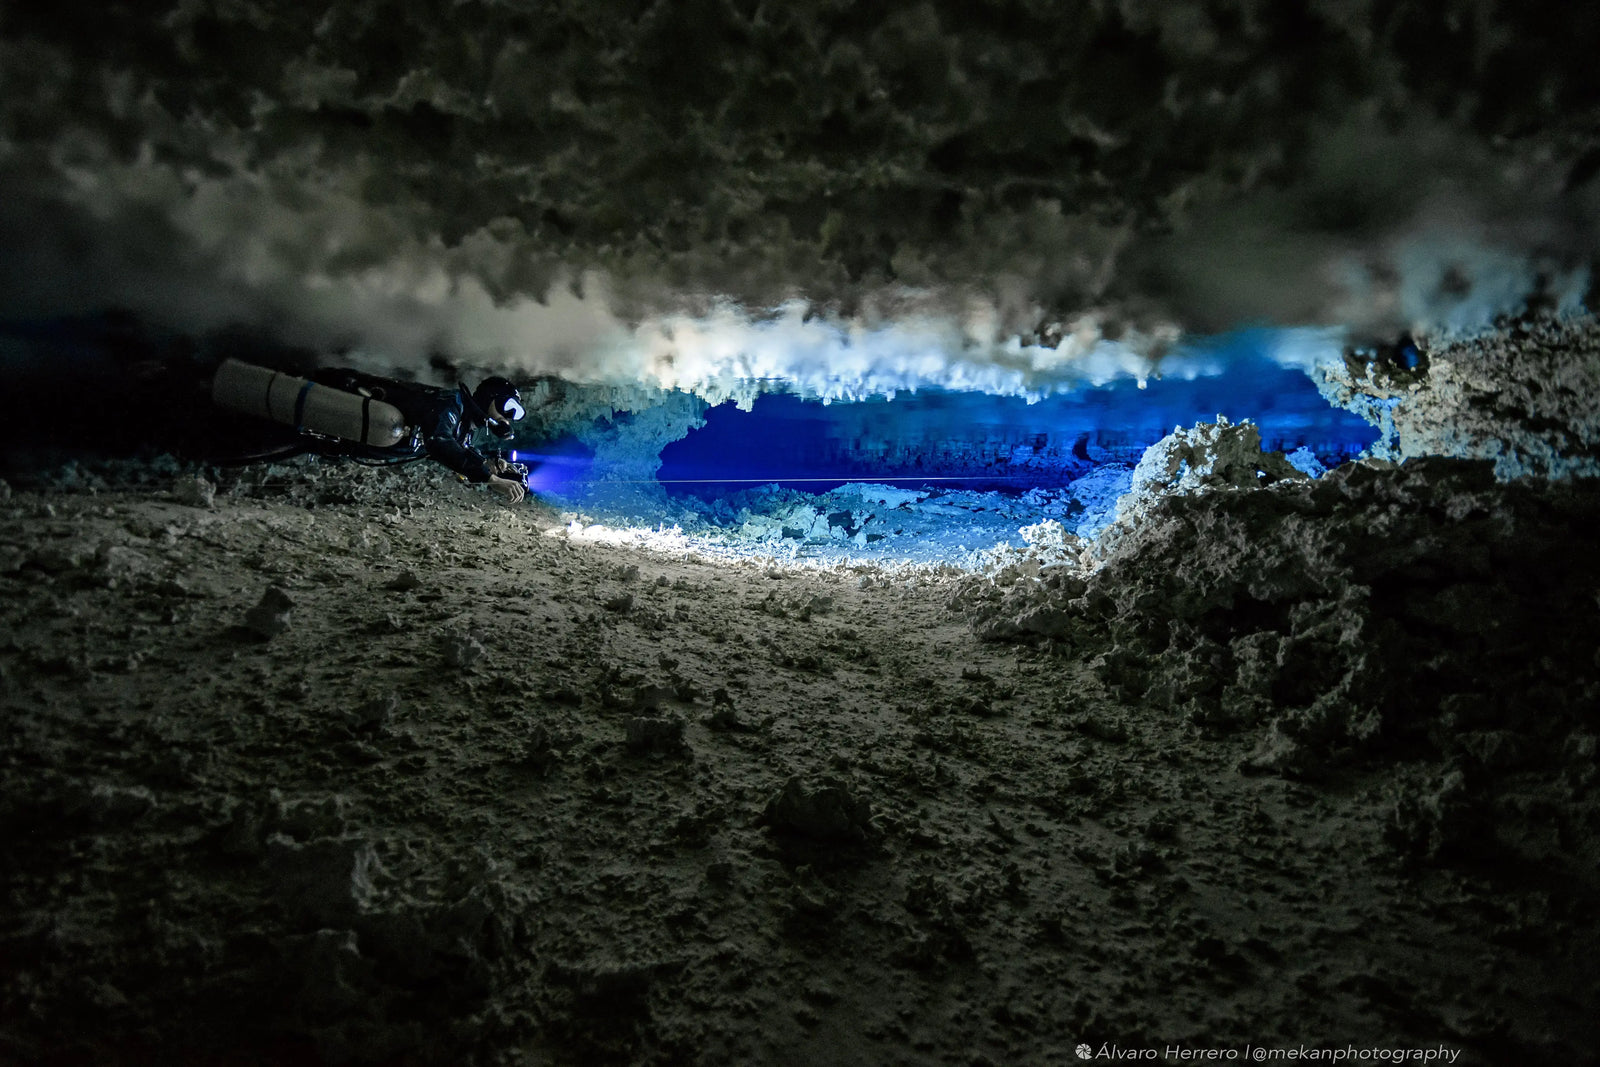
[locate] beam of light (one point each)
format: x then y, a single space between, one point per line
543 458
555 470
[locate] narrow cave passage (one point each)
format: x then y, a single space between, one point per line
1001 443
937 474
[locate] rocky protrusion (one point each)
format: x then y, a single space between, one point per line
195 492
1208 455
649 733
460 648
822 810
374 714
403 582
270 617
1521 397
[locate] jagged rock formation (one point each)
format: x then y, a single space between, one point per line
1393 606
627 442
1420 617
1521 396
1206 456
397 178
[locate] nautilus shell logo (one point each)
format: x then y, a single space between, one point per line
1085 1052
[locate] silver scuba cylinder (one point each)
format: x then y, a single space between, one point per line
306 405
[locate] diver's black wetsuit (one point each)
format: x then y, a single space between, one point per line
442 420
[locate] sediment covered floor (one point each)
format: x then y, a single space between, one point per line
467 789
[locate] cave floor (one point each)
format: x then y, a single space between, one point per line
497 794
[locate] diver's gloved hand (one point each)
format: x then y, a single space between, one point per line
512 490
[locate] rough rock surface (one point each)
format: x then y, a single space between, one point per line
1206 456
1374 608
1421 625
1521 396
1086 167
773 813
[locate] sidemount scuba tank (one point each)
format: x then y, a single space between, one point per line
309 407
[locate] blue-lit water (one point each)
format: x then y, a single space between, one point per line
987 442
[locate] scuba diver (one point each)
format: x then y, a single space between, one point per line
443 422
376 420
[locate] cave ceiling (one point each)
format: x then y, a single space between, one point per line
357 172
